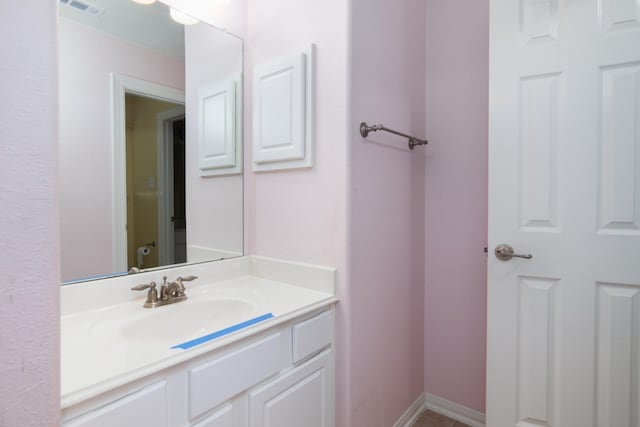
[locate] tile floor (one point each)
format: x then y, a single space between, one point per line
433 419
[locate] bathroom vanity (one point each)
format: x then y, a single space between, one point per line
251 346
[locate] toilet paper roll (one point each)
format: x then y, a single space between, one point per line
142 252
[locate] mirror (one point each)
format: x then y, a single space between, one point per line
150 139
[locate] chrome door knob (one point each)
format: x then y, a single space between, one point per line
505 252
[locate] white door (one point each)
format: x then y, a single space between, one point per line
563 340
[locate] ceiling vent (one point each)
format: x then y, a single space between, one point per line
84 7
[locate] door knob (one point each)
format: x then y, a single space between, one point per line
504 252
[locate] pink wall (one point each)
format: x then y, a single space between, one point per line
29 240
387 210
85 138
301 214
456 199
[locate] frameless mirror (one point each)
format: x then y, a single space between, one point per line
150 139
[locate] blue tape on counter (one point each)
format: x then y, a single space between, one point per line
223 332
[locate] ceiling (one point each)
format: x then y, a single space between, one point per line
146 25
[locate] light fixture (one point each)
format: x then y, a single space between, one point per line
144 1
182 17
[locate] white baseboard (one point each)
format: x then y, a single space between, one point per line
453 410
411 415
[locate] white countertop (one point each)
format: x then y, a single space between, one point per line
97 355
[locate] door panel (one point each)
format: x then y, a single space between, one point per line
618 355
619 173
538 152
537 347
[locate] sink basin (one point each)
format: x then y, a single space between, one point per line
194 320
175 323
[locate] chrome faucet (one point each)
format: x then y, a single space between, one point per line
169 292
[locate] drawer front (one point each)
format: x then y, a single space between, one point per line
214 382
312 335
144 408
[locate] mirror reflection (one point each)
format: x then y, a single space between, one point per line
150 139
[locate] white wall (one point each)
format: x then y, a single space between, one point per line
29 240
87 59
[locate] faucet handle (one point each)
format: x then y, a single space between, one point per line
152 295
144 286
181 279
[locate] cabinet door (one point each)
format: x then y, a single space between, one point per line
222 418
301 397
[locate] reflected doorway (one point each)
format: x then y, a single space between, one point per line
155 181
179 218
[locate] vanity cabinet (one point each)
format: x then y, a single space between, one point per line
279 377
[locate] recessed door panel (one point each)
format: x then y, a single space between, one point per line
619 173
538 143
539 21
619 14
537 319
618 357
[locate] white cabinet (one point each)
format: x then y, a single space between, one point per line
301 397
222 378
283 112
311 336
221 418
143 408
280 377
